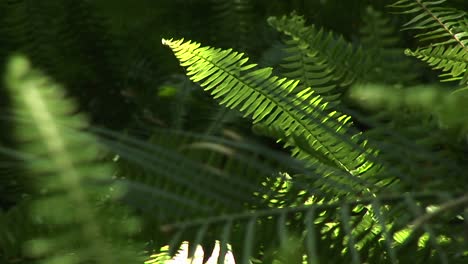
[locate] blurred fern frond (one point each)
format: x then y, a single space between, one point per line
235 17
70 187
319 58
381 44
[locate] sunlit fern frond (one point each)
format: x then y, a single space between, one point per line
72 190
270 101
319 58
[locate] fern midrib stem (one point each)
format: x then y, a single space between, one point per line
441 24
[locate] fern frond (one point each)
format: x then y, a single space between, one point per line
203 168
446 31
233 20
342 232
336 183
452 60
70 193
269 100
318 58
379 40
84 57
400 131
180 176
438 23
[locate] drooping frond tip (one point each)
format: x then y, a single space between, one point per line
18 66
171 41
165 41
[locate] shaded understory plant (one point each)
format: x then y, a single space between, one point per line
373 168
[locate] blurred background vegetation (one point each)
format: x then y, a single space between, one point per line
108 55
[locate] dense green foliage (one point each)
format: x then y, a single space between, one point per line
345 142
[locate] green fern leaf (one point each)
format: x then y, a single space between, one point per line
269 100
446 31
70 193
319 58
233 22
453 60
436 22
380 41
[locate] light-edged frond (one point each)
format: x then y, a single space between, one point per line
270 101
70 186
